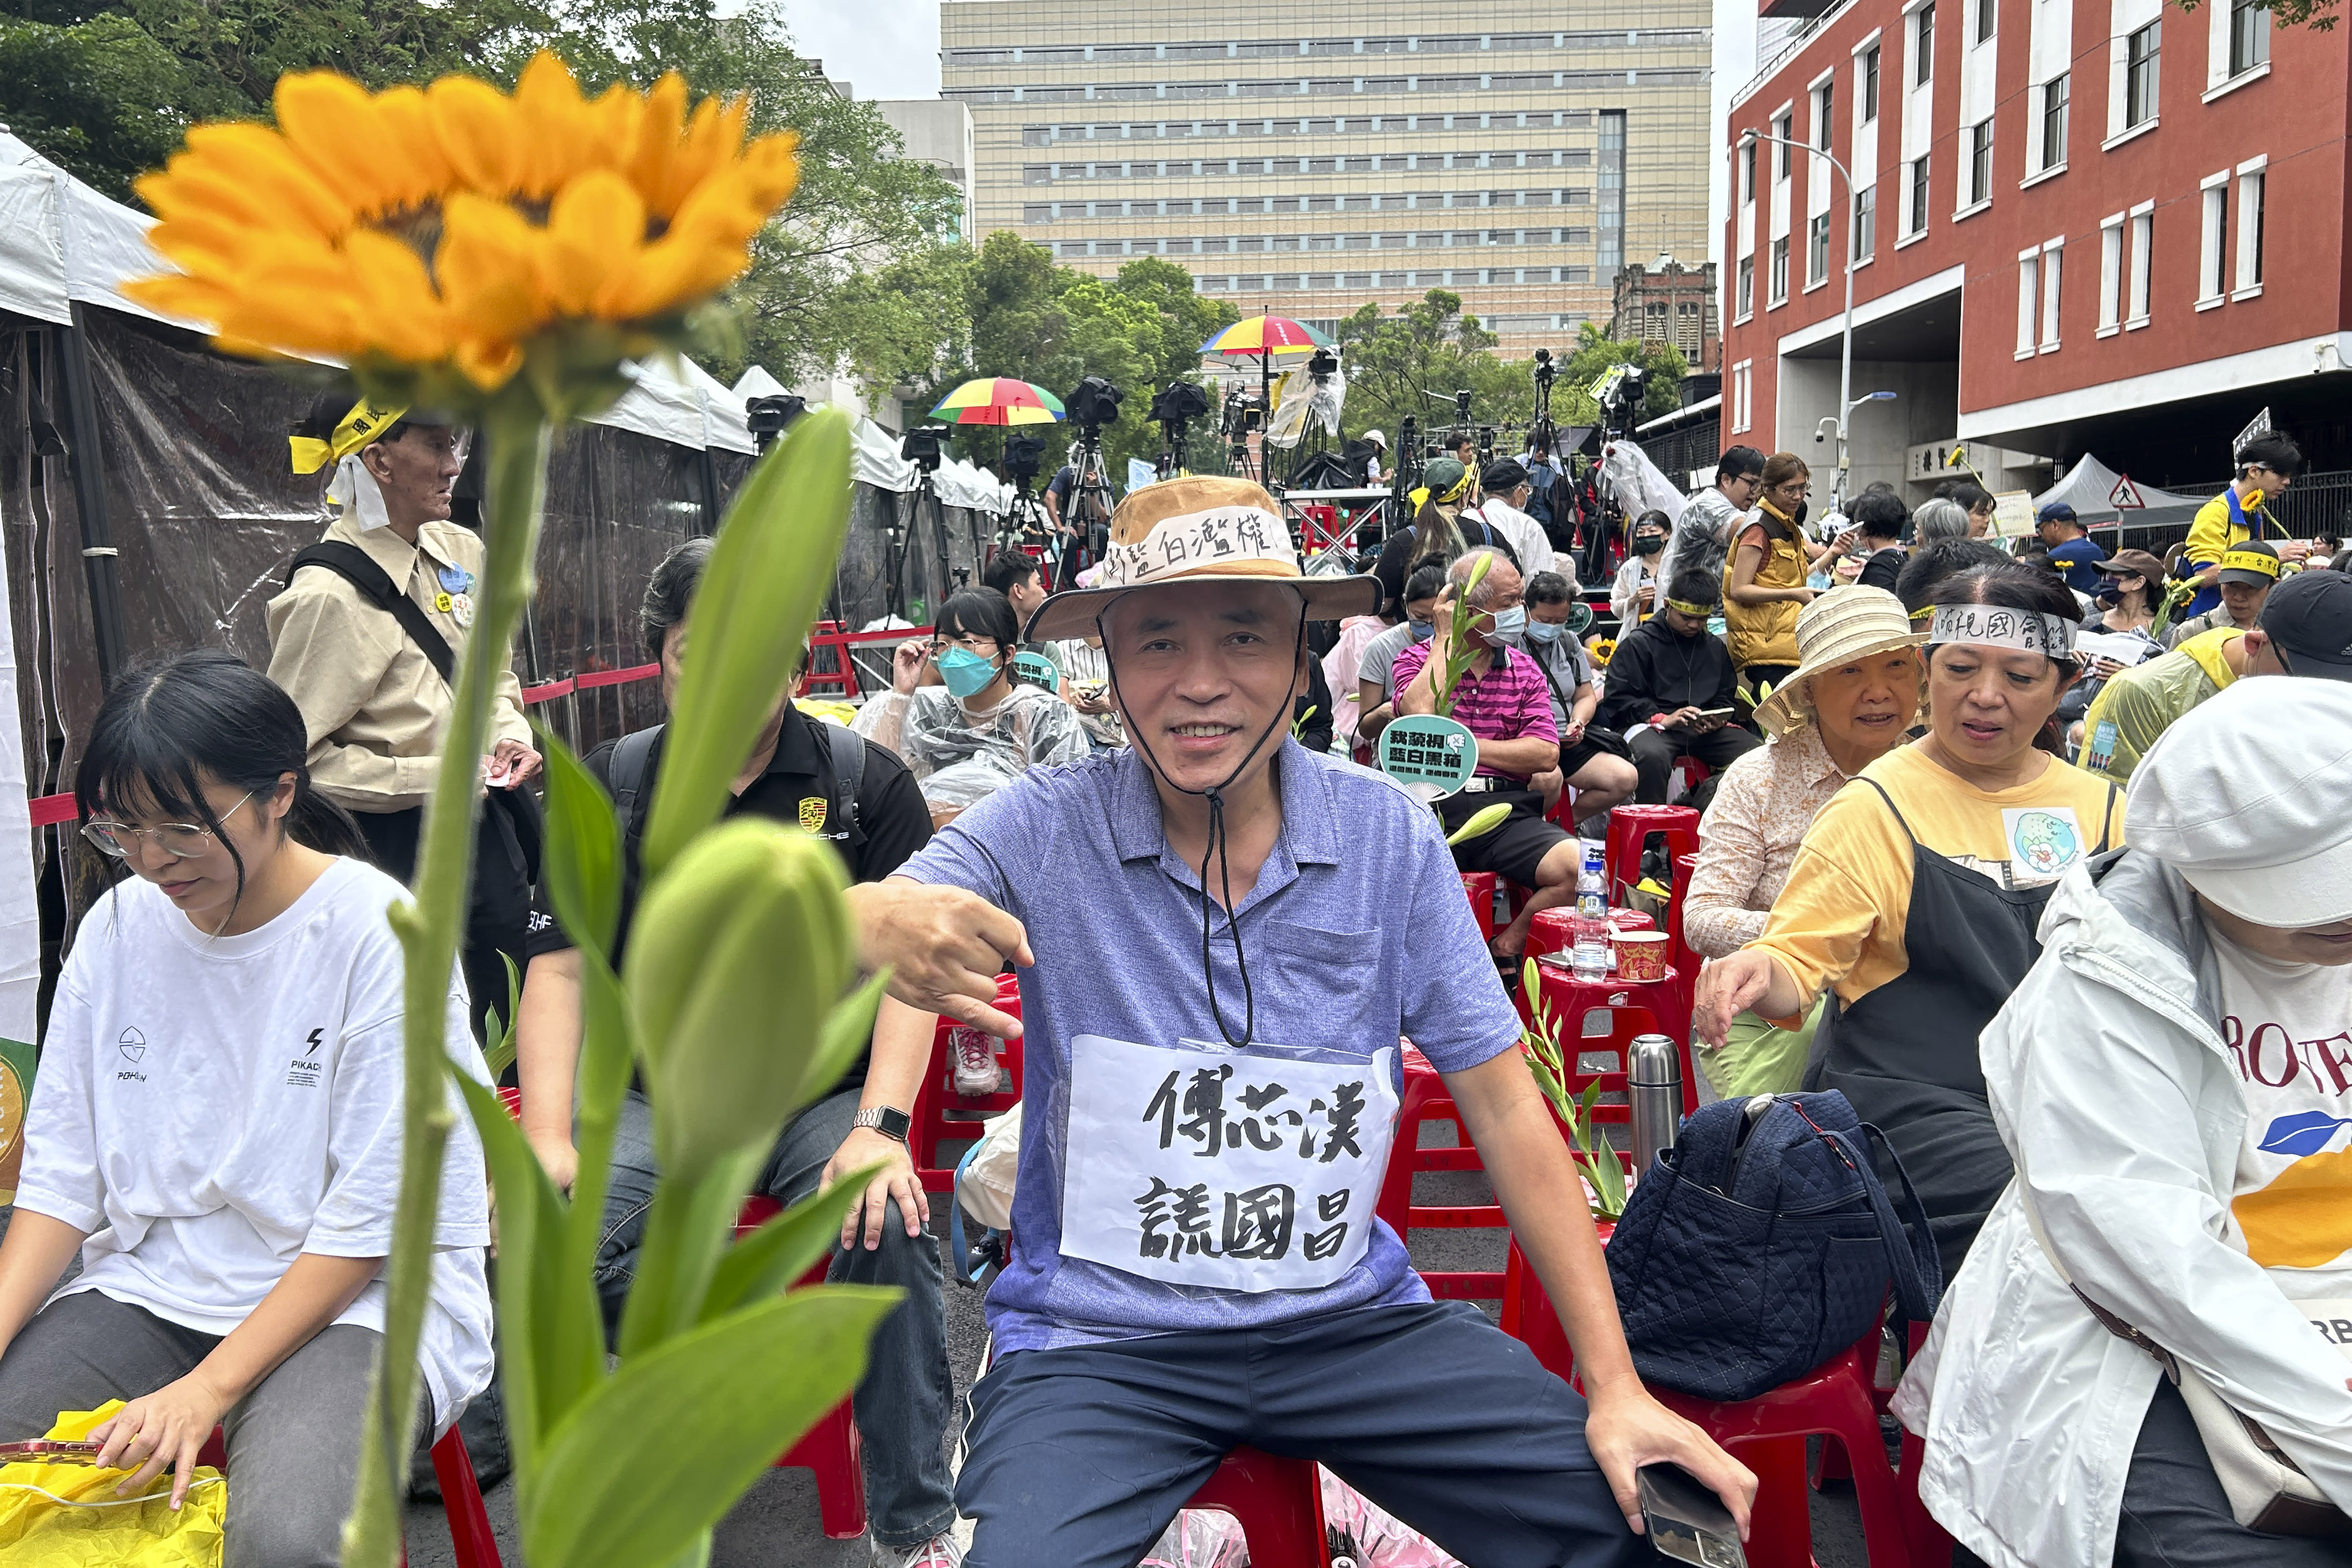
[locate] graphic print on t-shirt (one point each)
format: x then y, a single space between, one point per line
303 1072
2288 1031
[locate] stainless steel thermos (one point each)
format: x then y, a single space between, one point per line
1653 1083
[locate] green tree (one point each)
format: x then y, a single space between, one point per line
1395 362
1595 355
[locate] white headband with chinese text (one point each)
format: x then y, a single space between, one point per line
1222 539
1991 626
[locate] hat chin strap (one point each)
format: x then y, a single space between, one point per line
1218 842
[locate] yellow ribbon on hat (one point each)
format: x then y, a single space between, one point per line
364 425
2240 560
1460 489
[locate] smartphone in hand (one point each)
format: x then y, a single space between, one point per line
1687 1522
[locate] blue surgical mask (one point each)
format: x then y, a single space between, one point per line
1509 624
1544 631
964 671
1423 630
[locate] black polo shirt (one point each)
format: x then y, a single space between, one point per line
797 788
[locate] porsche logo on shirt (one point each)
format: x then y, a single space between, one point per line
811 814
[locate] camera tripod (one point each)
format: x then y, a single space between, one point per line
1085 515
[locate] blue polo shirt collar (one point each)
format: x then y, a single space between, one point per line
1309 832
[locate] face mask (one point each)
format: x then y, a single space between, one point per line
1509 624
1717 625
964 671
1422 630
1648 543
1544 631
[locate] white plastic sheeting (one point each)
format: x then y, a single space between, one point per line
1637 484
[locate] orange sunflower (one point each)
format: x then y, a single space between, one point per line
446 235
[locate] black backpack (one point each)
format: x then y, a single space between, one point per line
632 771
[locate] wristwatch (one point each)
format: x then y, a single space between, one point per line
891 1124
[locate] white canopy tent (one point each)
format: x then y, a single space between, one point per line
2104 499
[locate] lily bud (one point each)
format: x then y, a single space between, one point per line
1480 825
738 954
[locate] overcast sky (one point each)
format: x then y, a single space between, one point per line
884 49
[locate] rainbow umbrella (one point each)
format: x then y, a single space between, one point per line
1267 335
999 400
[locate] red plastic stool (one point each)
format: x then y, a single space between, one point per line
1279 1504
1630 825
830 1450
471 1541
932 1126
1479 886
1424 1100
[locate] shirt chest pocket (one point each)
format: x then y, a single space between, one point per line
1331 978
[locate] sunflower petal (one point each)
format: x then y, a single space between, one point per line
474 123
333 123
263 162
595 228
408 128
554 128
488 272
396 292
489 366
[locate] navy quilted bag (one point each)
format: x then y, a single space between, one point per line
1762 1244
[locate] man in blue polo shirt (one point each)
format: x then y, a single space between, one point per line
2072 554
1230 932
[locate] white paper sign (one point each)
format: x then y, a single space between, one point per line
2115 646
1209 1168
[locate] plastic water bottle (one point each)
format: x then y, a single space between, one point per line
1593 885
1589 954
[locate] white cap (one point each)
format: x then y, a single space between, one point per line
1377 439
2243 796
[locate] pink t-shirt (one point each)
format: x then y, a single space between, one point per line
1509 702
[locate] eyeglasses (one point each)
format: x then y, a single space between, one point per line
181 840
984 646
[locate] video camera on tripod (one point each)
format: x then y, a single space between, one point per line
1093 404
1174 406
1621 394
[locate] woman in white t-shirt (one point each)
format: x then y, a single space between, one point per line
214 1127
2174 1081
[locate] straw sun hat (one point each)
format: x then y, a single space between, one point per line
1838 628
1206 528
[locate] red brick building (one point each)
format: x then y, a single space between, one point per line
2080 226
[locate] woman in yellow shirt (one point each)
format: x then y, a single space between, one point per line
1917 892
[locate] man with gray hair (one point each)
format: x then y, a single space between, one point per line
1937 520
1503 699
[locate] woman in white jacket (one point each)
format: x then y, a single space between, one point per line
2174 1081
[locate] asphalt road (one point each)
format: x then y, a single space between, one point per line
775 1525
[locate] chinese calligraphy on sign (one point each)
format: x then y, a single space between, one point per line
1247 1173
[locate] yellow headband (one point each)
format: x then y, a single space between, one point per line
2250 560
363 425
1702 611
1460 489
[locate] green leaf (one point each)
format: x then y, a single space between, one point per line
1481 824
604 1079
554 1333
849 1029
769 573
663 1447
770 1260
583 862
687 1230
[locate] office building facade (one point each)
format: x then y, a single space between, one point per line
2110 227
1308 159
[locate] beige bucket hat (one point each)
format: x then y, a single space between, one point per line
1205 527
1838 628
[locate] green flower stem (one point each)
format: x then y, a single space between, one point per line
430 928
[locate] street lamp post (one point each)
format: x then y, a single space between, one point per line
1845 347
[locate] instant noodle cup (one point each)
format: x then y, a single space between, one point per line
1640 955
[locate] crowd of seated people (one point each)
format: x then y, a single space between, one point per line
2098 1011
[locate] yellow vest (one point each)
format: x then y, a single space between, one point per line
1766 634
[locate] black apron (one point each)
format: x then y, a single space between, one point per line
1906 1055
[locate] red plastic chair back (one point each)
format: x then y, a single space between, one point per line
932 1123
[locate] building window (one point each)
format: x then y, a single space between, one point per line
1748 172
1866 223
1923 45
2053 120
1817 249
2249 231
1919 195
1743 387
2028 299
1781 271
2111 274
2213 254
2141 53
1780 148
2052 254
1870 84
1981 162
2136 298
2250 34
1825 104
1988 13
1747 304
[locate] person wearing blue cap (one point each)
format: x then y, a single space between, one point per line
2072 554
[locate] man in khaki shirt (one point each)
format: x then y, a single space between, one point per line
376 705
